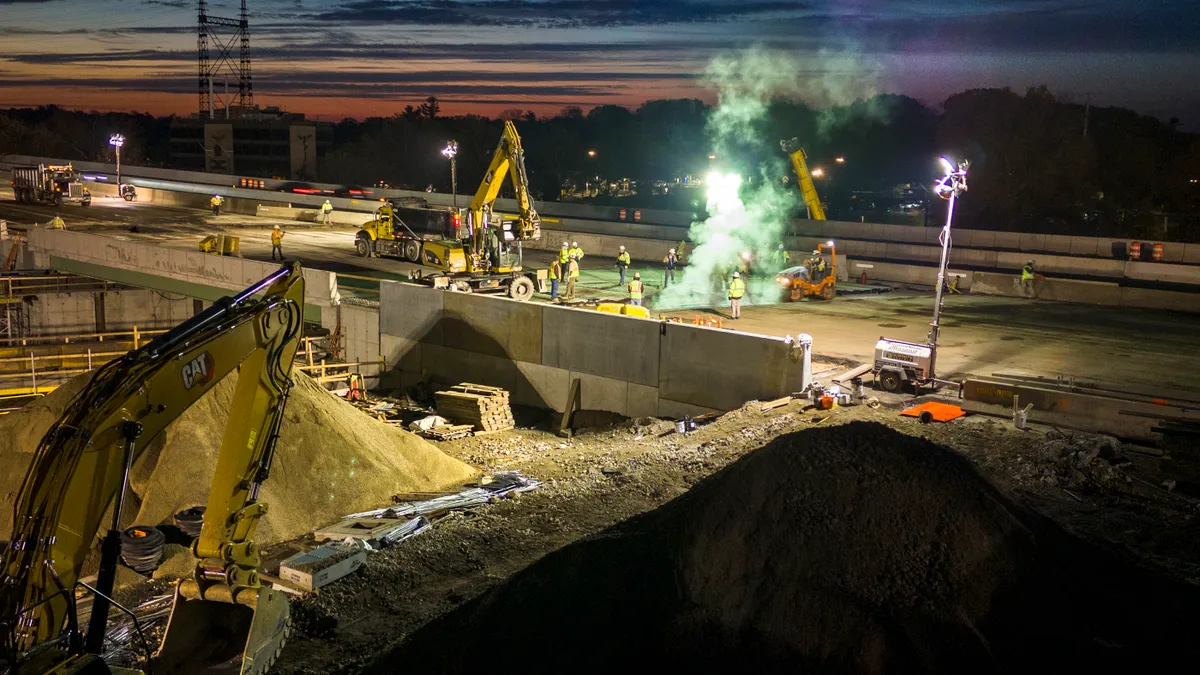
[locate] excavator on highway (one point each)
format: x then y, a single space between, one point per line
807 188
475 249
224 618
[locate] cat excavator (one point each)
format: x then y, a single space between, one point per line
808 190
224 618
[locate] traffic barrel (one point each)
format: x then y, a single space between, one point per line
1156 252
1135 250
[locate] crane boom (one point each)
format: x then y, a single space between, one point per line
82 466
808 189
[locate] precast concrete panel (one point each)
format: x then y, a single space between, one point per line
721 369
411 312
494 326
597 343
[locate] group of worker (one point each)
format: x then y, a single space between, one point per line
566 266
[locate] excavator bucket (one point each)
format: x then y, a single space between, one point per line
212 636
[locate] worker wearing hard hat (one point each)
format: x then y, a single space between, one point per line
276 242
623 261
564 254
780 257
1028 275
57 223
215 203
671 261
576 251
556 272
737 289
326 212
572 275
636 288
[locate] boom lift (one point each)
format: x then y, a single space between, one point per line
480 252
223 613
807 188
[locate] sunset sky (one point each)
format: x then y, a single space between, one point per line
332 59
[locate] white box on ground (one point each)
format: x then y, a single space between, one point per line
321 566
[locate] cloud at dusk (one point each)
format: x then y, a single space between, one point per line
358 58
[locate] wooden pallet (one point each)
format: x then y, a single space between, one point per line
448 432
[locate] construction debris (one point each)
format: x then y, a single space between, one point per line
501 485
485 408
934 411
323 565
448 432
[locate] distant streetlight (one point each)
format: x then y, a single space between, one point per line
818 172
840 160
449 152
117 140
591 153
712 156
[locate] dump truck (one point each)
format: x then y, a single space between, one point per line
50 184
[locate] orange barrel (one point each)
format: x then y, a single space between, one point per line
1157 252
637 214
621 214
1135 250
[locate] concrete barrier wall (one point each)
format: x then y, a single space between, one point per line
196 270
1060 290
627 365
76 313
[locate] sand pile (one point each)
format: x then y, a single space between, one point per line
331 460
847 549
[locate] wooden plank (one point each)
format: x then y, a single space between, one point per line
777 403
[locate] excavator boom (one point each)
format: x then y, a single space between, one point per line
508 160
82 466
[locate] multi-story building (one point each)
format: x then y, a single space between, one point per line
262 142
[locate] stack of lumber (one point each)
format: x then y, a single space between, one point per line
448 432
485 408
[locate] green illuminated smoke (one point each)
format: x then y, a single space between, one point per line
751 215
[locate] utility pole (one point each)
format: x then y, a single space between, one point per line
1087 111
450 152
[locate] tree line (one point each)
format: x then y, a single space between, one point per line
1038 162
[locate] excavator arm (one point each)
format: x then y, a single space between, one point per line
81 469
509 159
808 190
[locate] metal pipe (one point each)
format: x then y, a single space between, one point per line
937 303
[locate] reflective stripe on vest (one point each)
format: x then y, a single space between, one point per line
1026 273
635 290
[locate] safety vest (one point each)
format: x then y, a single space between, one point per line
215 201
555 269
327 207
58 223
276 237
1026 273
573 270
563 256
635 290
577 251
623 259
780 256
737 288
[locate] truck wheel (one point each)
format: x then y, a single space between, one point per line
520 289
363 246
128 197
828 292
890 381
86 204
412 250
56 200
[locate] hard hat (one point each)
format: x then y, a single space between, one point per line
637 275
781 246
565 244
816 252
622 248
736 275
574 243
277 226
671 250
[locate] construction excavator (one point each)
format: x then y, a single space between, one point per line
224 618
808 190
474 249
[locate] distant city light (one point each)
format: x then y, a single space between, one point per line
591 153
818 172
840 160
712 156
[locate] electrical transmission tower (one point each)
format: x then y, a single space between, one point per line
223 35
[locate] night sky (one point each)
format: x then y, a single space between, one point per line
333 59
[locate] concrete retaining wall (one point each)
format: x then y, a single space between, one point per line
76 313
627 365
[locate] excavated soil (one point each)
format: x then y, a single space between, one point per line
331 460
845 549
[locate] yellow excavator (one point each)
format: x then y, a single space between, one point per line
808 190
476 249
224 618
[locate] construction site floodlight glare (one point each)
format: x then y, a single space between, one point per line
116 140
450 150
722 186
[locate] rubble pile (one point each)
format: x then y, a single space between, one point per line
852 548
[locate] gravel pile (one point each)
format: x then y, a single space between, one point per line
845 549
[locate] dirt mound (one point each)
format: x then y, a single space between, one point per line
331 460
847 549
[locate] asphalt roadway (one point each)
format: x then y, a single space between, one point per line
980 335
